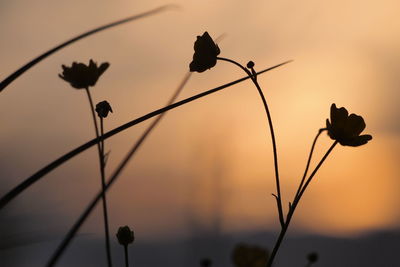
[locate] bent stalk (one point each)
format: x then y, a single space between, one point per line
253 77
53 165
294 205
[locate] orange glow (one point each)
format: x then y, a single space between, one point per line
209 163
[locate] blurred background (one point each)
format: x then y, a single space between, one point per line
203 179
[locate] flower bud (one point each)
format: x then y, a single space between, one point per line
102 109
125 235
250 64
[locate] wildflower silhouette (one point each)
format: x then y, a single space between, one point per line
346 129
88 210
102 109
205 54
81 76
244 255
205 57
125 237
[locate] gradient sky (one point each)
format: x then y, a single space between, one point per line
209 162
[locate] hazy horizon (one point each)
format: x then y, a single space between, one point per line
208 163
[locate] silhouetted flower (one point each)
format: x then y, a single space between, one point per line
206 262
312 257
125 235
249 256
205 53
81 76
102 109
346 129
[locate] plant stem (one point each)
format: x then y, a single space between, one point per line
100 147
275 153
13 76
64 158
126 256
102 141
294 205
64 244
308 161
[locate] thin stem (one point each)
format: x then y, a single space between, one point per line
308 161
103 178
64 158
64 244
13 76
271 128
102 141
294 205
126 255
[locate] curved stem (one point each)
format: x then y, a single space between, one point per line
293 207
64 158
13 76
308 162
102 175
70 235
271 128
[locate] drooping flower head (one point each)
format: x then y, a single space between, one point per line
81 76
102 109
125 235
345 128
205 53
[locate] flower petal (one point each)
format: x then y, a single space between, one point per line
205 53
358 140
82 76
338 116
103 67
355 125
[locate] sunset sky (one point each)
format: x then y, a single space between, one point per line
209 162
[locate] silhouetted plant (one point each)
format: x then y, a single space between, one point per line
205 56
244 255
27 182
342 128
205 53
82 218
82 76
346 129
125 237
103 108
